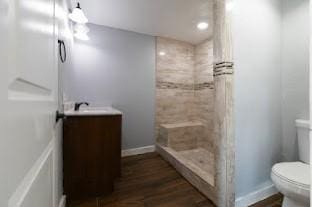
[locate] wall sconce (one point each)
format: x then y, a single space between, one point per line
78 16
81 28
81 31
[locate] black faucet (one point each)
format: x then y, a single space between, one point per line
77 105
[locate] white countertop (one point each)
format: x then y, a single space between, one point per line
93 111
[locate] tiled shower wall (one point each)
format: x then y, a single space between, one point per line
184 93
175 82
204 91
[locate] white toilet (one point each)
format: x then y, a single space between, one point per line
292 179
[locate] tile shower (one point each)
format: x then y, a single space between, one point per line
194 108
185 110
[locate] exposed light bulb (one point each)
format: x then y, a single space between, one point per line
81 28
202 25
78 16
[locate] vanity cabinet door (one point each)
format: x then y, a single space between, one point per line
92 154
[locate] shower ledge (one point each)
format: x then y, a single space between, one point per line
183 124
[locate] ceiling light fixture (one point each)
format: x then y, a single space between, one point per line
78 16
202 25
162 53
229 6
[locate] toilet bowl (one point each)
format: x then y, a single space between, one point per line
292 179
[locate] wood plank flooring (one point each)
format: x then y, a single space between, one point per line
149 181
274 201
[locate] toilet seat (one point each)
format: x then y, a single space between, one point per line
292 179
296 174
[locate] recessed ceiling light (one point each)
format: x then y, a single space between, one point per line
162 53
202 25
229 6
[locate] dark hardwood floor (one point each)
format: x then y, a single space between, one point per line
274 201
149 181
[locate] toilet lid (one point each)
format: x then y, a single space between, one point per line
296 173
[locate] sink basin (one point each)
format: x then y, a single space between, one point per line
94 111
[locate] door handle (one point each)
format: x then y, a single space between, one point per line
62 47
59 116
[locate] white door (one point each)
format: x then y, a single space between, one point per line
28 97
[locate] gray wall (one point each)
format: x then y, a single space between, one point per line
271 85
117 67
257 59
295 71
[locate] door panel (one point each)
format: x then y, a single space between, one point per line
40 193
4 142
32 49
28 95
32 45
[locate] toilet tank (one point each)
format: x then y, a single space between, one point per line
303 129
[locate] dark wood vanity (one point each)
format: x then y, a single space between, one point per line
92 155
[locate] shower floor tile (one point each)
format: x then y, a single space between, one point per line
201 158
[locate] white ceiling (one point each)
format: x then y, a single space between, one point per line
175 19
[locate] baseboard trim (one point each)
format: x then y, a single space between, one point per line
138 151
256 196
63 201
